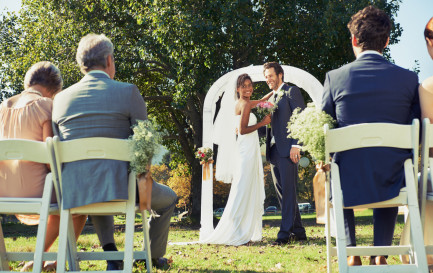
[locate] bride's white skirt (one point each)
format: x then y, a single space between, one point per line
241 221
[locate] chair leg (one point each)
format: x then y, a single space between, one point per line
146 241
327 226
42 228
415 227
129 237
339 218
67 247
4 264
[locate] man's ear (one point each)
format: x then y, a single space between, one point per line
109 61
354 41
429 41
387 42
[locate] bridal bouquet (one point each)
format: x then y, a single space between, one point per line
205 155
307 127
265 108
144 143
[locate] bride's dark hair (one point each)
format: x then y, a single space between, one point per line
428 32
241 79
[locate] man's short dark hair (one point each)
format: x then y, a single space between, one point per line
277 67
371 27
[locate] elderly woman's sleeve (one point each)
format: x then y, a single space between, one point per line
138 110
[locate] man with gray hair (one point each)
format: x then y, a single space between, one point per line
98 106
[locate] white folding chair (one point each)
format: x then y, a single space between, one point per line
99 148
375 135
426 195
35 151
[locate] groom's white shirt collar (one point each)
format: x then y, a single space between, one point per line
279 88
97 71
368 52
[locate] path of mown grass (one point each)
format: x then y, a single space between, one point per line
309 256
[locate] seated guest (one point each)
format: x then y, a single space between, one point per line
426 88
28 116
98 106
371 89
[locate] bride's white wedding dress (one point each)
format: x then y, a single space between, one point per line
241 221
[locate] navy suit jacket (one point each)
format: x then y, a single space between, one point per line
291 100
371 89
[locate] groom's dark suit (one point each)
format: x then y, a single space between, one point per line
284 171
371 89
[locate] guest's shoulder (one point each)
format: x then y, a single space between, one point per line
44 102
122 85
342 69
427 85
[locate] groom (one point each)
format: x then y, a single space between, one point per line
283 153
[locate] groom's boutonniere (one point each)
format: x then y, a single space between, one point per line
279 96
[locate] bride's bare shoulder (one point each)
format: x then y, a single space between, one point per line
427 85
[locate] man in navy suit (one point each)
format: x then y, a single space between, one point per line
371 89
284 153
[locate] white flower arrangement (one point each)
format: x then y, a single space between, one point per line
144 143
307 127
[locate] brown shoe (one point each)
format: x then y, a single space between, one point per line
354 260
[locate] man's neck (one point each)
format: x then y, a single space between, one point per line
279 87
368 52
93 71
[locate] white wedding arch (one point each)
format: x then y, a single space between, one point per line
227 84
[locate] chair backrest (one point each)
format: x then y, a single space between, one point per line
89 148
24 149
29 150
373 135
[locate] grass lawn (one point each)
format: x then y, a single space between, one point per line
308 256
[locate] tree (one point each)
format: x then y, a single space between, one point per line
173 50
180 182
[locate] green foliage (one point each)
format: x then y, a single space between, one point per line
173 50
307 127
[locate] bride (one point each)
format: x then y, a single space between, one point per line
241 163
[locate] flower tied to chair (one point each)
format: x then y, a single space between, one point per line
320 191
144 143
205 154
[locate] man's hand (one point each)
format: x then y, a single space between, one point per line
295 154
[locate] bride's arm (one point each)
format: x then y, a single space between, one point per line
265 98
245 117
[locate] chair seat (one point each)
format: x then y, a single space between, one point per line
399 200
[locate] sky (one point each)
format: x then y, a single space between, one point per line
412 16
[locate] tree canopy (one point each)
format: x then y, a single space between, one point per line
173 50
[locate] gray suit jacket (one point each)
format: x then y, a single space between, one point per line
96 106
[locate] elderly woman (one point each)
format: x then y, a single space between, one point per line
28 116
